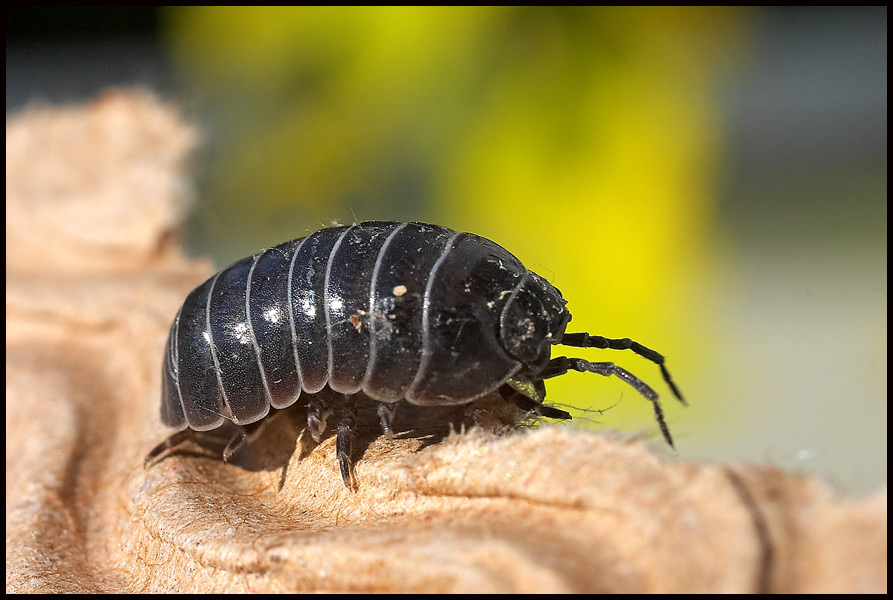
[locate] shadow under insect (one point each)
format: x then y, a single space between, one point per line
269 444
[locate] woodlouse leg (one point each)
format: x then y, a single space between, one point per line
584 340
208 443
562 364
386 412
318 411
512 395
344 442
246 435
171 442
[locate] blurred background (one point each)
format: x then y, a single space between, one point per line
711 182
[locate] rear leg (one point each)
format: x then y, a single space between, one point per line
209 444
319 409
167 446
247 434
344 442
386 412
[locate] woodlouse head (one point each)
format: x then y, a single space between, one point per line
533 319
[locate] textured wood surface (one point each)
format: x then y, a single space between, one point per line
94 194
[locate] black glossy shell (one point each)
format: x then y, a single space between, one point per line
377 311
393 310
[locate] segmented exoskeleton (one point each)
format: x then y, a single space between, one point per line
376 311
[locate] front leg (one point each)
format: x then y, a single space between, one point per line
523 402
584 340
562 364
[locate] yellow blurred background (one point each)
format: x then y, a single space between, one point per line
580 139
708 181
589 142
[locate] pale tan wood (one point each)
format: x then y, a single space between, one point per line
94 276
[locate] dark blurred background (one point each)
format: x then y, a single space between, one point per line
709 181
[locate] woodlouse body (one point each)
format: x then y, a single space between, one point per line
381 310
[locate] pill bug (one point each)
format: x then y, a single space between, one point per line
372 312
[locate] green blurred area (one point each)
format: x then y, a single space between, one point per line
584 140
